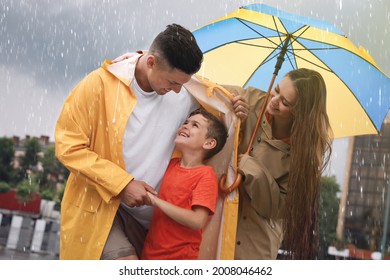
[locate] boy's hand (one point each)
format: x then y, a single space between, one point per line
152 198
135 194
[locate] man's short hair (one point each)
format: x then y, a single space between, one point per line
178 47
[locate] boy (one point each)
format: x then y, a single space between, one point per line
188 192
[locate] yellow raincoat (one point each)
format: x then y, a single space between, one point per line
88 139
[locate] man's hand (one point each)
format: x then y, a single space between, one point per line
135 194
241 108
123 57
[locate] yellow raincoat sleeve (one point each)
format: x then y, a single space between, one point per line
85 143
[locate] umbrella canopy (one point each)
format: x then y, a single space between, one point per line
242 48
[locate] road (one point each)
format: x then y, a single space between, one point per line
8 254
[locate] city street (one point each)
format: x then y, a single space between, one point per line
8 254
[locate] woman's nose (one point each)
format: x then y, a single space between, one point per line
275 97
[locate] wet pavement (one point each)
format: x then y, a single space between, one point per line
8 254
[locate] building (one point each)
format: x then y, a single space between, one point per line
44 143
364 206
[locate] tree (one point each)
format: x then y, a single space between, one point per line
31 157
26 189
329 207
7 152
51 164
4 187
53 172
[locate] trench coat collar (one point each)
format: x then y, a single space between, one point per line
266 135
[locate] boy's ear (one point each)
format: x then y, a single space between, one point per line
209 144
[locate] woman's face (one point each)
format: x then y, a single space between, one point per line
282 98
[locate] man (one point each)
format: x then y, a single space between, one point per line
115 134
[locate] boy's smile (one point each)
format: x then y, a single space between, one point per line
193 132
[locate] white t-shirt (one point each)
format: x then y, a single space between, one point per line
149 137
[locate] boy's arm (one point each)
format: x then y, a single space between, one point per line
195 218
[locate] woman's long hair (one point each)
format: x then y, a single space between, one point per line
310 140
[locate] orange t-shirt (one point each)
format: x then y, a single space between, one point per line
183 187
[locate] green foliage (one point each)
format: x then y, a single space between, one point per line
7 152
31 157
4 187
52 168
17 175
44 182
329 208
48 194
60 194
25 189
51 164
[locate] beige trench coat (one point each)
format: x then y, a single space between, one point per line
262 192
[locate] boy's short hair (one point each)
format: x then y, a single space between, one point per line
216 130
177 47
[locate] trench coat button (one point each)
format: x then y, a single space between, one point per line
238 242
244 218
258 139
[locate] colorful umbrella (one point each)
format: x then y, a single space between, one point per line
252 45
242 49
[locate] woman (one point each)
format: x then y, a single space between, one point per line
279 193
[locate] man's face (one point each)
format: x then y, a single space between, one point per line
163 79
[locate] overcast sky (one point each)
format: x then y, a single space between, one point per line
48 46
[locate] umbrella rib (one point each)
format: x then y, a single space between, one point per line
277 29
331 71
254 45
306 27
298 56
257 32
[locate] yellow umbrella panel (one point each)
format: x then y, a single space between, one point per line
242 48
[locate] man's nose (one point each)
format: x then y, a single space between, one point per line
177 88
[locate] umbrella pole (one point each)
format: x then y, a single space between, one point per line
262 110
278 65
238 179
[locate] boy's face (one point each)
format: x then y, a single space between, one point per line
193 133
